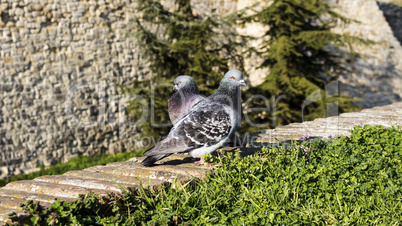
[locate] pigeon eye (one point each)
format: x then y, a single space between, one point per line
233 77
179 81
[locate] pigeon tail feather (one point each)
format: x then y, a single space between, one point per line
150 160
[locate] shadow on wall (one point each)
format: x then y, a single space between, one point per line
366 94
393 14
373 83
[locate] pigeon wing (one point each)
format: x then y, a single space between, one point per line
204 126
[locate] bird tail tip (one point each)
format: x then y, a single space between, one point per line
149 161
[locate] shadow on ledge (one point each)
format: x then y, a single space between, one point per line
181 159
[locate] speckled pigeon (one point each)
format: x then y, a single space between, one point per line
184 99
207 126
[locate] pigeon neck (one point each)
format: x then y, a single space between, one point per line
227 94
187 90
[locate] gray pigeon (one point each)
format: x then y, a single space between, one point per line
207 126
184 99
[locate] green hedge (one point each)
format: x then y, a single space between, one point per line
353 180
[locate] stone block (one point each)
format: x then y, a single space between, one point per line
57 190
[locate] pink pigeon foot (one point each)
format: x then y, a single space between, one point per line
201 161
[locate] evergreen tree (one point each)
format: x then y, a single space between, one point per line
299 32
179 42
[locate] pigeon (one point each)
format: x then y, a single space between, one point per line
184 99
207 126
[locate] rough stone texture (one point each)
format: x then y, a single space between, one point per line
99 179
60 61
176 168
339 125
376 75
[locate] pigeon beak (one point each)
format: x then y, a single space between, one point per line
243 83
176 87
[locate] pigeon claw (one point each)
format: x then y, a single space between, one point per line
201 161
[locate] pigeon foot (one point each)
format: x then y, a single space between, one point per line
201 161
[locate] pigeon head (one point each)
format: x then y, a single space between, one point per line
235 78
184 81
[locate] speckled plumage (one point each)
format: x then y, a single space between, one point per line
207 126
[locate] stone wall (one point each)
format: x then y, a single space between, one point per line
49 49
62 61
376 74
